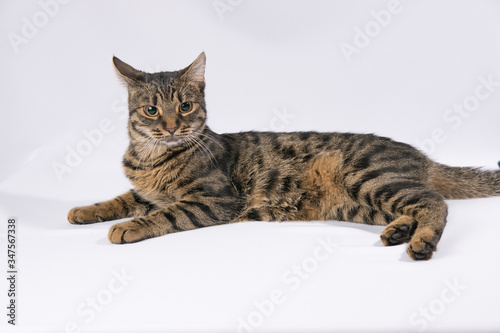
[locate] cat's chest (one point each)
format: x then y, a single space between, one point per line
158 185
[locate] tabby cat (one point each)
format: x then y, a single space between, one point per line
185 176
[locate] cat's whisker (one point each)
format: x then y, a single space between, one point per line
204 149
189 143
148 152
210 138
151 151
143 155
193 143
158 149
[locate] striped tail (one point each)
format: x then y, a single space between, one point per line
464 182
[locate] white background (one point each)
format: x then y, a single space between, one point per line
275 65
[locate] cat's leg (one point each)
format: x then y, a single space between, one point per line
431 220
179 216
417 214
422 218
126 205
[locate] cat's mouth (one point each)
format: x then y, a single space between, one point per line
172 141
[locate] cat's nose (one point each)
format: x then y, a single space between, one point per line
171 130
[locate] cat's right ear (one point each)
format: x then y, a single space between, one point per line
129 74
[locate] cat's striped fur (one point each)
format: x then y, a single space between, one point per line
185 176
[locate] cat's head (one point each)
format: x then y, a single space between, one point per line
165 108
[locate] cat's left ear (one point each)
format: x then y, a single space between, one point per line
196 71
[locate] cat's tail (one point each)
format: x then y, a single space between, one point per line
464 182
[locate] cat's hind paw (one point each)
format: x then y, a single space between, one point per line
399 231
422 245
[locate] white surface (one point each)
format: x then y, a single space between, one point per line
265 59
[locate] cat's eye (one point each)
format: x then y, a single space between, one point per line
186 107
151 111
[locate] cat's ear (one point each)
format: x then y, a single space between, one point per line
196 71
131 75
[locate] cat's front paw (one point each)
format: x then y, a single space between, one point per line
84 215
127 232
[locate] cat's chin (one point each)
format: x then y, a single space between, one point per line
172 143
